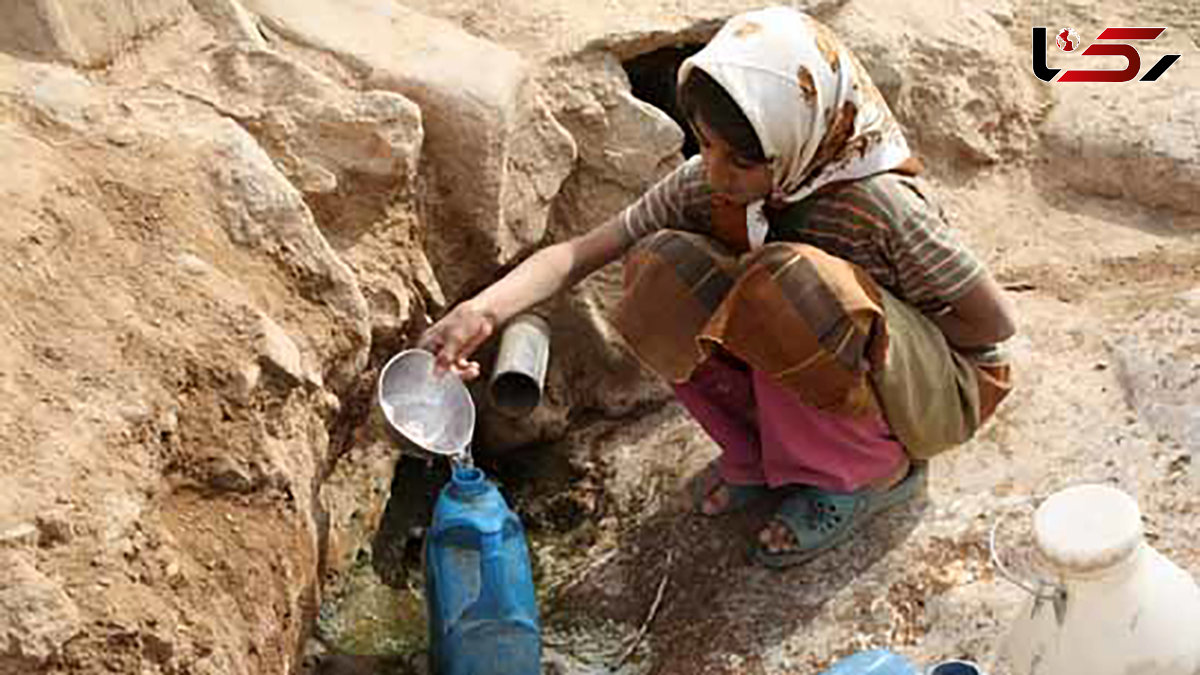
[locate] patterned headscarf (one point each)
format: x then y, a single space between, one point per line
815 110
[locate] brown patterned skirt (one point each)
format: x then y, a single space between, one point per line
817 324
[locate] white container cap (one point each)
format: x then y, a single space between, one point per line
1087 528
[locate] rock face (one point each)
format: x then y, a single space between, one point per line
951 63
354 155
625 145
495 155
41 617
178 324
314 129
1133 141
82 32
1141 143
221 218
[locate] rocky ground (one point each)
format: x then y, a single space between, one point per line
222 216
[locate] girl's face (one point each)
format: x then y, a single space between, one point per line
732 177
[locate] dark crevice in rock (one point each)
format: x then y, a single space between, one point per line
358 401
652 77
397 544
552 488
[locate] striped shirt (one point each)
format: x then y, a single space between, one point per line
885 224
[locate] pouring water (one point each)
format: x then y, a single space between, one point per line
479 593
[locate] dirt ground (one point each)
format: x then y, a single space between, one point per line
1107 298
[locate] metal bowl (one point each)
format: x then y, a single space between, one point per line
433 411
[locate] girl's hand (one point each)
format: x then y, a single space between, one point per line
456 336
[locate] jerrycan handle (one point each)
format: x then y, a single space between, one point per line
494 593
1042 590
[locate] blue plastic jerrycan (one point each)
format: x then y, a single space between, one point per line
483 616
873 662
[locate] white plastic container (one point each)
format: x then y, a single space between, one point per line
1119 607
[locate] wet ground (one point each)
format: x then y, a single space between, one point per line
377 624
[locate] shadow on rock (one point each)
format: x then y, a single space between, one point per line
1113 208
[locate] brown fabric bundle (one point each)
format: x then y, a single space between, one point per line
817 324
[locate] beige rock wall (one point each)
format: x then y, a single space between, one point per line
954 75
494 154
221 217
1140 142
82 32
177 326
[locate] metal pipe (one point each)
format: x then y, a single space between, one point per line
521 363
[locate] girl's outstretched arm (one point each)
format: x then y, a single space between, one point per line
458 334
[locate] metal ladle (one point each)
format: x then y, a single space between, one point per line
433 410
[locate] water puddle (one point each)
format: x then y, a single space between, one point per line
372 618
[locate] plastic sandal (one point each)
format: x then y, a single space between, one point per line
740 496
820 520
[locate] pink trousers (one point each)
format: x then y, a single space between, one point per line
768 436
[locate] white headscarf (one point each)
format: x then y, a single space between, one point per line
815 110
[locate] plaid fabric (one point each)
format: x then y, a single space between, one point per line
809 320
814 323
674 283
885 224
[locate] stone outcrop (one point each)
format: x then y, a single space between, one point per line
953 63
1138 141
221 217
494 155
85 33
178 328
625 146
